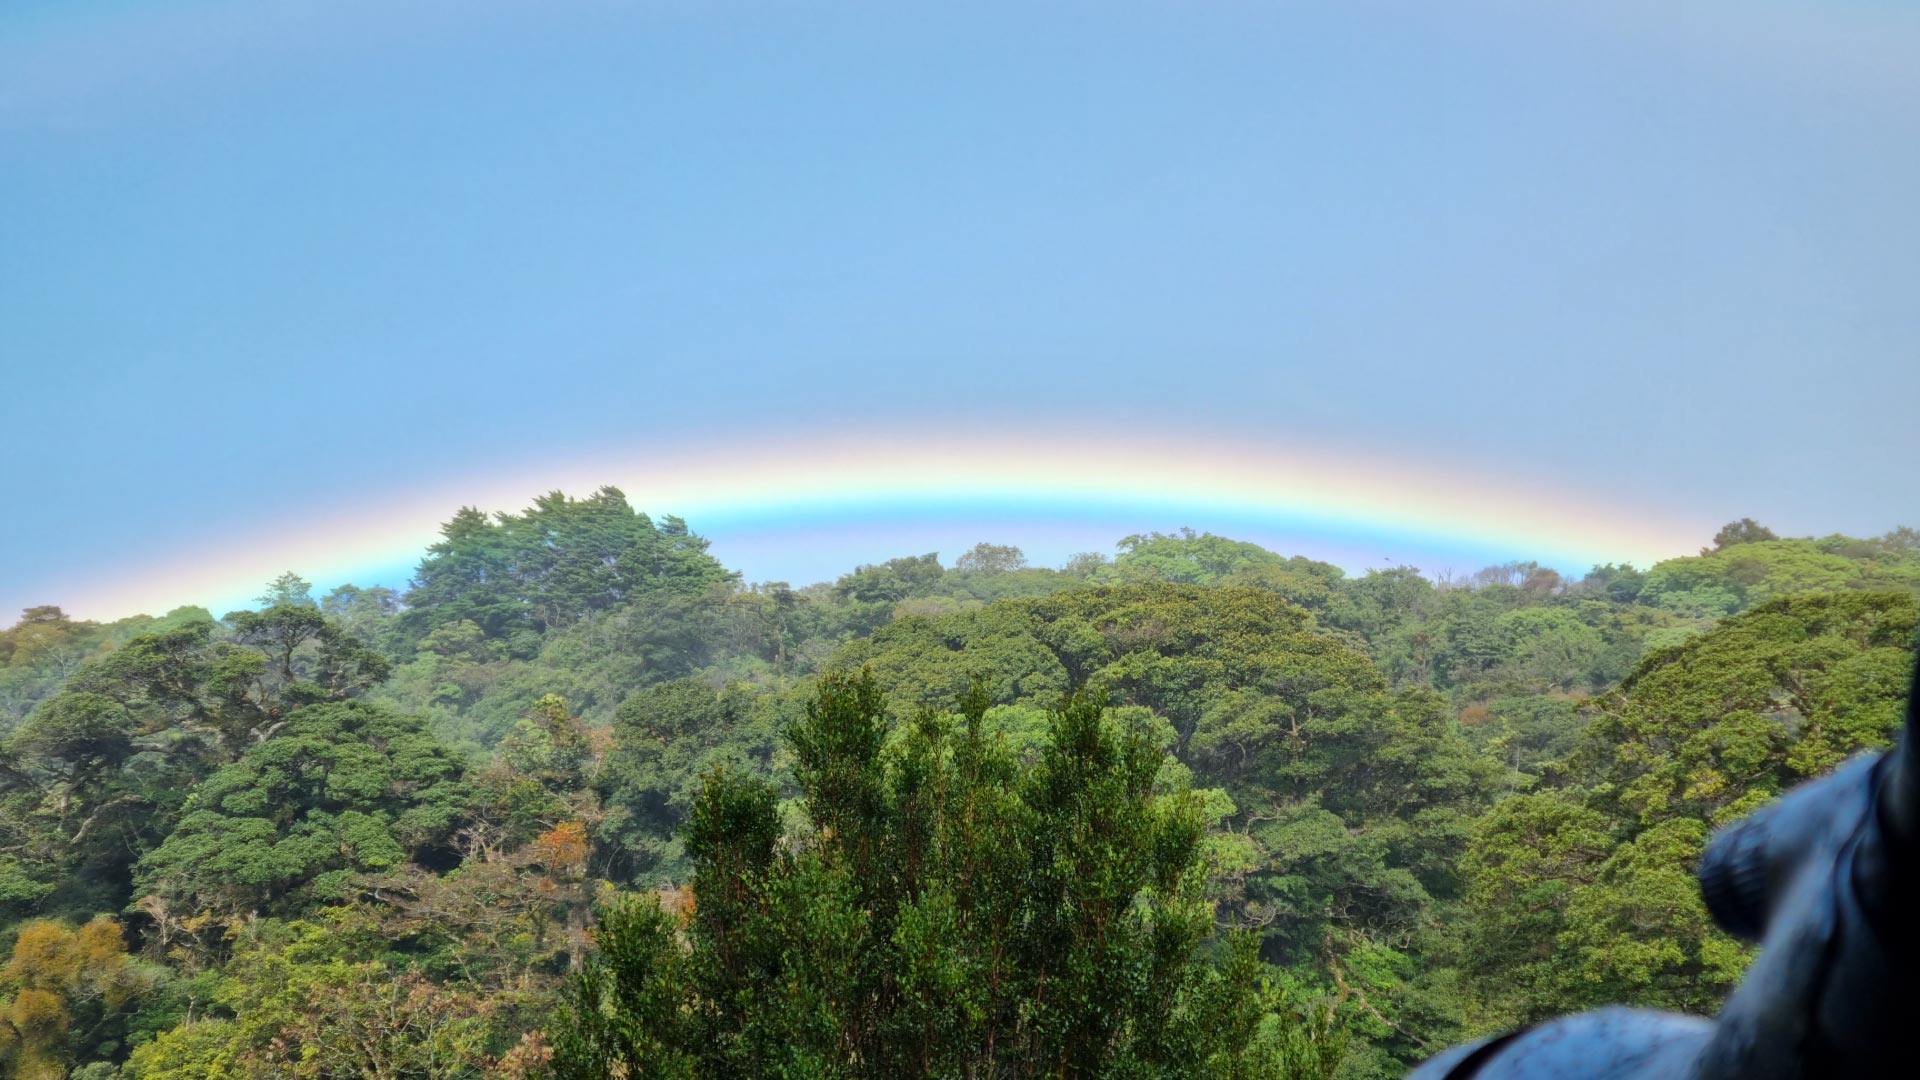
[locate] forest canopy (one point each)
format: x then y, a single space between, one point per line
581 799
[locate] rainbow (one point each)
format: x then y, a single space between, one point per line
807 507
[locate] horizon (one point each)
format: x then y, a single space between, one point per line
268 266
728 538
807 511
827 568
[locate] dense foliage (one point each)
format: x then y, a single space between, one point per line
581 800
1569 879
941 912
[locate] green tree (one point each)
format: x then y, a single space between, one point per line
1744 531
309 656
300 1000
1730 579
944 912
1188 558
553 565
367 614
45 648
985 558
1582 893
344 788
1349 802
891 581
289 589
97 774
666 738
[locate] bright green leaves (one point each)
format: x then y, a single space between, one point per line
624 1008
1583 893
1735 716
1742 574
1192 558
298 999
731 833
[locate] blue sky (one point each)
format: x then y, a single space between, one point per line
260 259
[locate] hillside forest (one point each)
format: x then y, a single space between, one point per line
580 803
